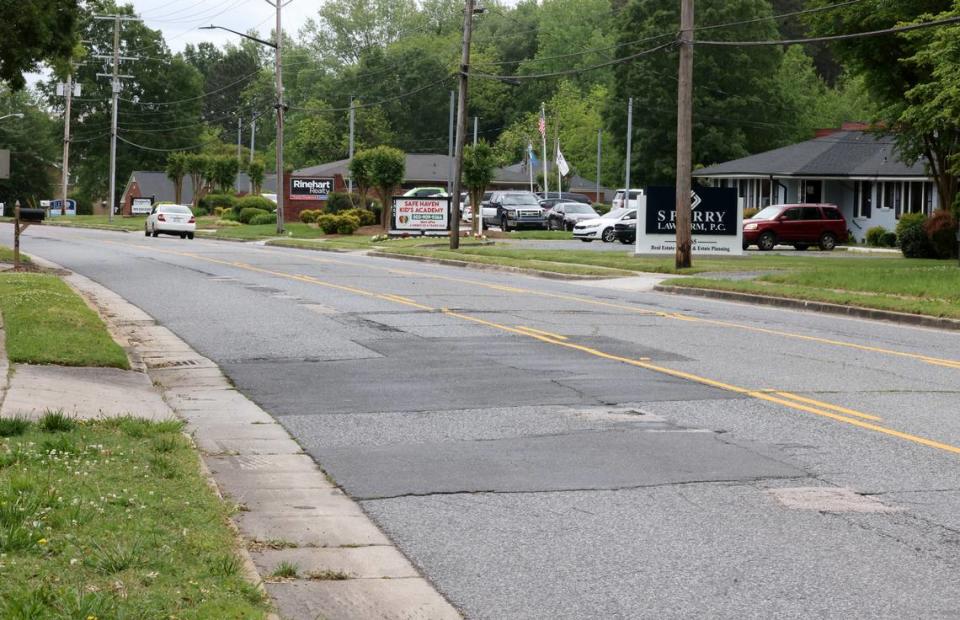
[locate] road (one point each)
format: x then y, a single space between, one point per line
548 449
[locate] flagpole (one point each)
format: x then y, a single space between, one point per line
543 134
530 164
557 163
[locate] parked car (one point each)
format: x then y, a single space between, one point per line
603 226
487 213
565 215
550 199
515 209
626 231
619 201
425 192
799 225
170 219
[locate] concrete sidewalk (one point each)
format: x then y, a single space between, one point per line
290 511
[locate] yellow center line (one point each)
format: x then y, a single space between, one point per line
792 401
947 363
824 405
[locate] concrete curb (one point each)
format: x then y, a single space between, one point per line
290 511
487 267
815 306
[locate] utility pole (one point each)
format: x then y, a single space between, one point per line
599 153
115 90
543 134
281 182
239 138
684 135
453 106
626 200
353 119
476 119
253 133
461 125
68 91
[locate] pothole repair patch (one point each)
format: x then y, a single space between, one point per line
828 499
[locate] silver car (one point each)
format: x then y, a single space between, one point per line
170 219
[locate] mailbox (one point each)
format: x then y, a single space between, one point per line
32 215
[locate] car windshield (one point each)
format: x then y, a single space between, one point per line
575 207
615 213
520 199
174 209
768 214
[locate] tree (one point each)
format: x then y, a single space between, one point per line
361 173
386 166
196 167
226 75
222 172
908 76
255 171
33 32
734 115
348 28
479 163
33 145
176 169
314 138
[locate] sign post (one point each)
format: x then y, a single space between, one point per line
423 216
716 221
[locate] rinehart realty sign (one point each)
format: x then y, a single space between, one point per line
716 221
302 188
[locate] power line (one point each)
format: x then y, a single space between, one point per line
376 103
837 37
608 63
150 148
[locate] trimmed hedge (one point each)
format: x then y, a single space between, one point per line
365 217
875 236
247 214
210 202
263 218
254 202
338 202
340 224
309 216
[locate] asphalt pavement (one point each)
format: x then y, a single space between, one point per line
550 449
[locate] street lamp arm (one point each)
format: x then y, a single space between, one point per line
240 34
15 114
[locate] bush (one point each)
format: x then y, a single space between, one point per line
914 243
941 230
339 201
309 216
328 223
247 214
263 218
601 208
225 223
254 202
875 236
365 217
210 202
347 224
909 220
228 214
889 240
748 213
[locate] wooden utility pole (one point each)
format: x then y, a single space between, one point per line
16 236
461 127
68 92
684 135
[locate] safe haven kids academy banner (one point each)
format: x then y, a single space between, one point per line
421 215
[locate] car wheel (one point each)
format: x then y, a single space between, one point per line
828 241
155 232
766 241
609 235
800 247
146 233
504 226
189 235
745 246
183 235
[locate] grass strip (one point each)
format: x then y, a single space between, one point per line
6 255
480 256
112 519
47 323
930 307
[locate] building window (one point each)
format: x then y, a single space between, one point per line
863 199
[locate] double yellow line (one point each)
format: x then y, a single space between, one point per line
785 399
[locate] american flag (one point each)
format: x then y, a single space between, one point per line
542 125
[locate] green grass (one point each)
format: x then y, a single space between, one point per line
902 285
119 222
47 323
89 528
537 234
365 242
6 255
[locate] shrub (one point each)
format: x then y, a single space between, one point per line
328 223
875 236
365 217
889 240
309 216
225 223
601 208
914 243
249 213
254 202
339 201
941 230
347 224
748 213
228 214
263 218
909 220
210 202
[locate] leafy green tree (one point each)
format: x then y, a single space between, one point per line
176 169
911 77
222 173
33 32
386 166
255 170
348 28
226 75
361 171
314 138
33 145
737 108
197 166
479 165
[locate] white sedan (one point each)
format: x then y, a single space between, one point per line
171 219
603 227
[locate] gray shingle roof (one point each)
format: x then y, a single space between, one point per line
157 184
840 154
426 168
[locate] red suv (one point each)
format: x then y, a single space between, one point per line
798 225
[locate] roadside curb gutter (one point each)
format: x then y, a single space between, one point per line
290 511
905 318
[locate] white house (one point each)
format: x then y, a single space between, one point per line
856 170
